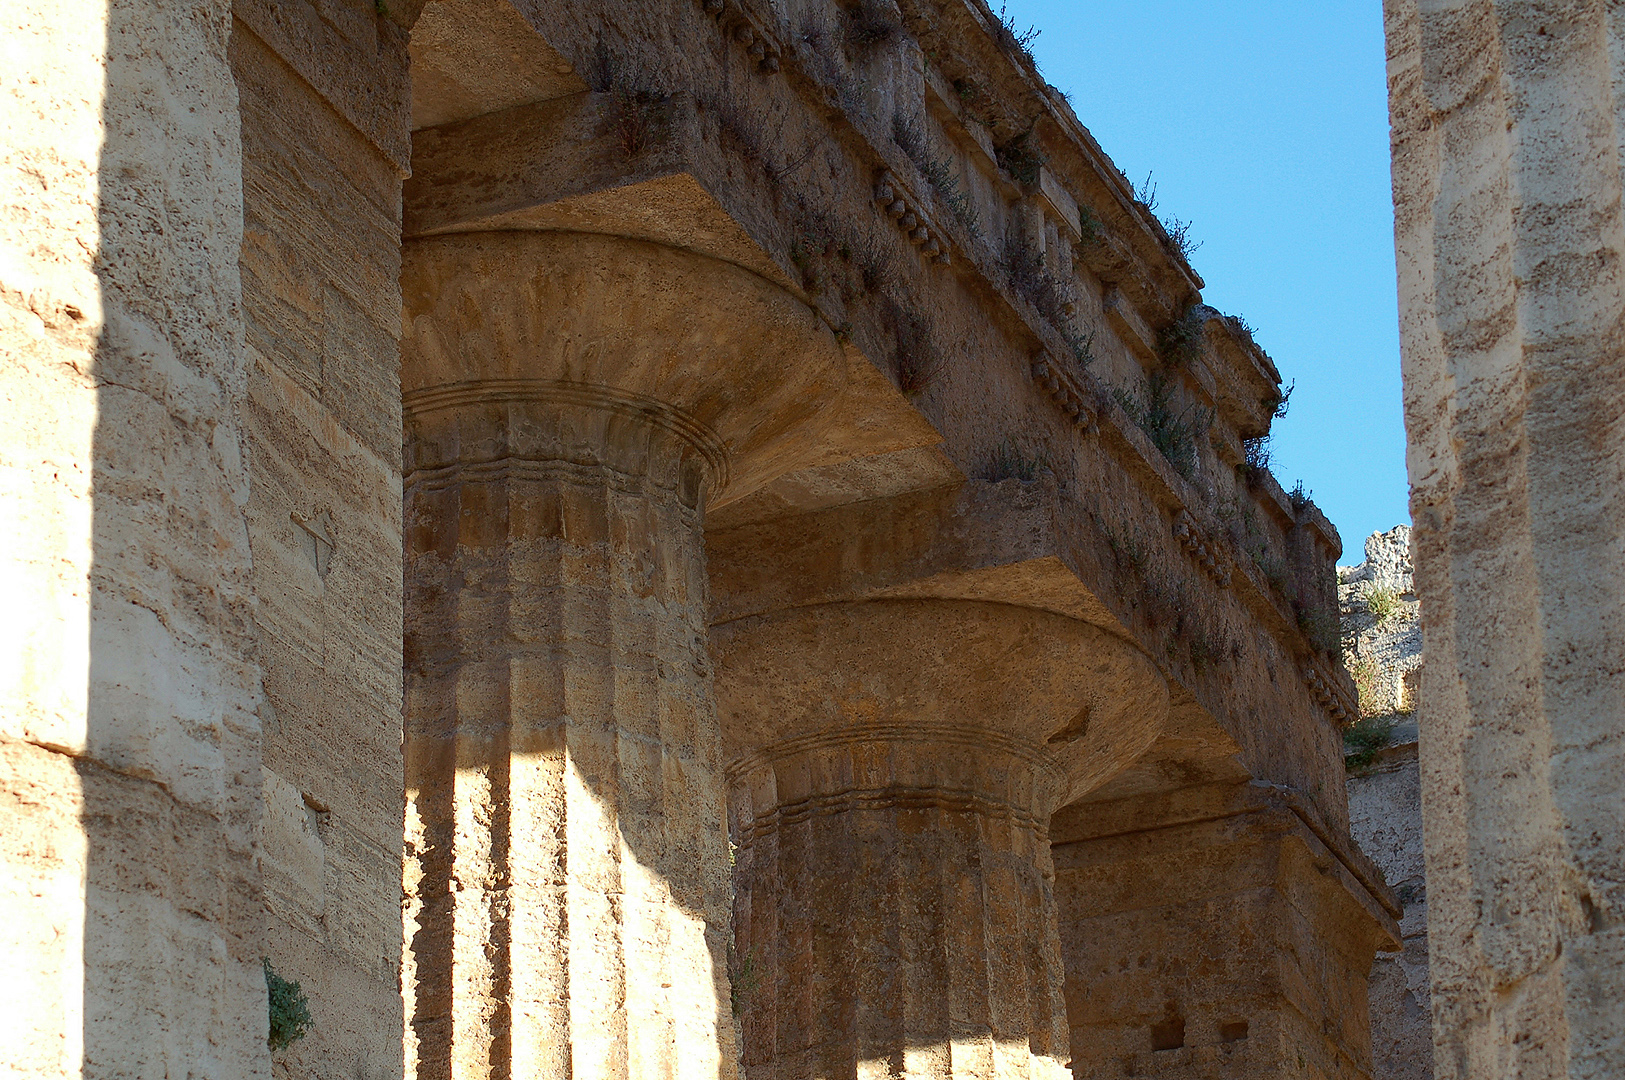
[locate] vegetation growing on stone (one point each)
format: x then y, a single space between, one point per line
1362 742
1179 234
1176 229
743 978
1054 298
1020 158
1256 456
1322 628
1130 550
918 360
1032 280
1021 41
938 172
1180 342
873 258
1010 462
870 24
1381 605
1273 567
1168 600
1081 344
1174 431
289 1009
634 122
1282 401
1363 670
1090 228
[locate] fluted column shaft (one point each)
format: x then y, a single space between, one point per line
566 864
895 910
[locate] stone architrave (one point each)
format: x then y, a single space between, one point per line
1511 231
572 402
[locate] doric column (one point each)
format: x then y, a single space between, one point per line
572 402
895 765
1509 222
1212 932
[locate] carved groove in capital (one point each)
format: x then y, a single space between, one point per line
533 472
722 356
557 392
919 736
1062 696
949 800
955 769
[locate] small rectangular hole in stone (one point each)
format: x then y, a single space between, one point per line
1168 1035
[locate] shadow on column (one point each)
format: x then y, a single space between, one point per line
169 763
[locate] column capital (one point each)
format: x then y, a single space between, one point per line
514 428
1075 701
960 769
746 376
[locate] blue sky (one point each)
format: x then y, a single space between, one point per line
1265 124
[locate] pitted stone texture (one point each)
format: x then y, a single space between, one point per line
1385 798
130 740
52 95
1086 700
322 427
894 766
895 908
574 402
1387 562
1507 191
1385 811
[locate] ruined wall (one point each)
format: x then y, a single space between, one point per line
324 133
1383 648
1385 811
129 744
1507 188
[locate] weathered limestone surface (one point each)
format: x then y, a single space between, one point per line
1383 647
1385 808
47 550
735 333
1507 184
129 738
1382 625
322 423
567 876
